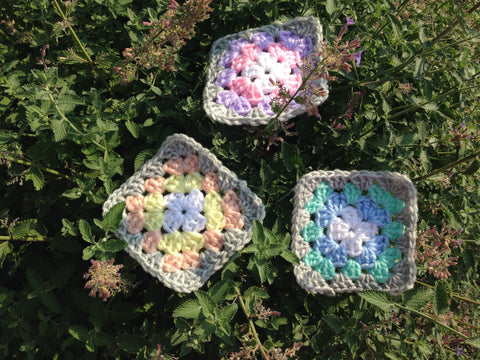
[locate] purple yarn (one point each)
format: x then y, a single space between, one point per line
226 59
237 45
234 102
262 39
224 78
295 43
266 107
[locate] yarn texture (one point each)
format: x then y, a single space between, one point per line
354 231
186 214
247 69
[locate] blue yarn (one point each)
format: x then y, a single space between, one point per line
367 258
324 217
336 202
325 245
338 257
381 243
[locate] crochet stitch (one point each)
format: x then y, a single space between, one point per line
186 214
247 69
354 231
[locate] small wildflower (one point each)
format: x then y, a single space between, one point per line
358 57
343 30
459 351
104 279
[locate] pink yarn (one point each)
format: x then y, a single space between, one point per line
243 86
231 202
134 203
154 185
213 239
284 55
233 220
191 164
151 240
172 262
191 259
292 82
135 222
174 166
210 182
246 58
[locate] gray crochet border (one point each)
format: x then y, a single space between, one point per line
403 274
188 280
303 26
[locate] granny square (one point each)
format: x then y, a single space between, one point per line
247 70
354 231
186 214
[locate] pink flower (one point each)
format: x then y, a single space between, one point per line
135 222
151 240
154 185
213 239
210 182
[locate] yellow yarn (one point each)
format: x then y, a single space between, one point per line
153 220
215 220
193 181
154 202
212 208
181 241
175 183
192 241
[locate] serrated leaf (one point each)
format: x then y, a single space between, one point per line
113 245
50 301
440 301
35 280
5 248
417 298
386 107
288 156
59 128
129 343
36 176
133 128
88 253
474 342
112 219
290 257
86 231
219 291
141 158
377 298
227 313
206 302
330 7
190 309
79 332
334 323
24 228
258 235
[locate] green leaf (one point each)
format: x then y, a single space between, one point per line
5 248
330 7
440 301
206 302
258 235
60 129
35 280
417 298
377 298
133 128
190 309
290 257
142 157
475 342
112 219
334 323
219 291
228 312
50 301
88 252
36 176
113 245
86 231
129 343
79 332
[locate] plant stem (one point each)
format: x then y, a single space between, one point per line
28 238
454 295
251 324
448 167
64 18
41 167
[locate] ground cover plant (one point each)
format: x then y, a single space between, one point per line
91 88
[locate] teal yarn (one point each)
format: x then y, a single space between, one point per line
385 199
319 198
327 269
312 232
393 230
314 258
352 269
352 193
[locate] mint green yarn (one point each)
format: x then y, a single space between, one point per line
390 257
326 269
385 199
320 196
380 272
352 193
352 269
393 230
314 258
311 232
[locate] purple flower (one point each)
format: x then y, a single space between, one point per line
344 28
350 21
232 101
459 351
262 39
358 57
463 125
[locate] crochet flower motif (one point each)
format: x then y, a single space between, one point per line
183 213
253 70
353 232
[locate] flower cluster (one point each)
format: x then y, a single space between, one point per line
434 247
105 280
353 232
165 38
183 212
256 70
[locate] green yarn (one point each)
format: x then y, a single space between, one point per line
390 257
352 193
314 258
380 272
319 198
312 232
393 230
385 199
327 269
352 269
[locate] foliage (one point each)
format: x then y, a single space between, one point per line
72 131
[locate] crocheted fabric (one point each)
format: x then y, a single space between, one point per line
354 231
186 214
247 69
